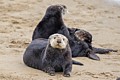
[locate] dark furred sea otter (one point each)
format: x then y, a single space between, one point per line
51 23
50 55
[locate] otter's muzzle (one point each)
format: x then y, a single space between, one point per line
59 41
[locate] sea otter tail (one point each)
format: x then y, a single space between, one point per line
76 63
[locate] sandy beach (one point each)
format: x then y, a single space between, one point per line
18 19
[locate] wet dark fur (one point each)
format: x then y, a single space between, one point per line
40 55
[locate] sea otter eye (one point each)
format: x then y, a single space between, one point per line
64 7
54 37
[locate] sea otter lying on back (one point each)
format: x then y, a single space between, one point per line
82 35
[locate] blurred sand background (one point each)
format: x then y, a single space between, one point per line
18 18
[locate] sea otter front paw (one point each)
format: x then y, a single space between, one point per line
45 70
66 74
52 73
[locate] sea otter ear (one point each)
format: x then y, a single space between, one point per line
94 56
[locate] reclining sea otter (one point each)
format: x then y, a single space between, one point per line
82 35
50 55
52 23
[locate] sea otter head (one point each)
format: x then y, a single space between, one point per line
56 10
58 41
82 35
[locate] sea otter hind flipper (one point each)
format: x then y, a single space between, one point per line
94 57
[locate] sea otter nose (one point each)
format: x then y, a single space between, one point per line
58 41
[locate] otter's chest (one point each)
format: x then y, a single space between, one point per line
58 63
58 60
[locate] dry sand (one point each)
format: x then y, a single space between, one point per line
18 18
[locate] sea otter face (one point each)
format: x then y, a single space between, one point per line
56 9
58 41
80 35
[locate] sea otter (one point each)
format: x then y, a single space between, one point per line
51 23
50 55
82 35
